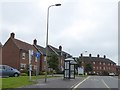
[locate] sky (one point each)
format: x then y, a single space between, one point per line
76 25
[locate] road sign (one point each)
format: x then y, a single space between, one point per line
37 54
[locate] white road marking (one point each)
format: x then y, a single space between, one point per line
114 77
80 83
105 83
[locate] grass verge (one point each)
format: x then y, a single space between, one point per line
14 82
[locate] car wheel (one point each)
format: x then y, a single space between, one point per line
16 75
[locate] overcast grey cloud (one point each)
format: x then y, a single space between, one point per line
77 25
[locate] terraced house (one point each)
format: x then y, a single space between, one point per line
100 65
15 53
52 50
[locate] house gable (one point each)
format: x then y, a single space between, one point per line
10 54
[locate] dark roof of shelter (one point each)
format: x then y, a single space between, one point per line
96 59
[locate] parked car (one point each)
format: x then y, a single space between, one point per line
111 74
6 70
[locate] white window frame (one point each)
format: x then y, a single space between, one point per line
23 55
22 65
36 59
93 62
35 67
104 68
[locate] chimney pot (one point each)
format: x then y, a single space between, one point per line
35 42
60 48
104 56
98 55
81 54
12 35
90 55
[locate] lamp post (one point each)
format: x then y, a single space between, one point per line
47 39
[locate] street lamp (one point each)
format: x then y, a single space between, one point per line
47 39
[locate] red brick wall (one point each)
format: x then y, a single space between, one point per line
10 54
26 60
96 67
109 68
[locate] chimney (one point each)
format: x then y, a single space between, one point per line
104 56
12 35
98 55
90 55
35 42
60 48
81 55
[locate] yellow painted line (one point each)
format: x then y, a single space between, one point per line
105 84
80 83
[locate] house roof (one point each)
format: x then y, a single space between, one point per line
96 59
0 44
41 49
23 45
57 51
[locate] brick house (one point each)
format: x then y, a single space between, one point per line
60 54
99 64
52 50
118 70
15 53
42 51
0 53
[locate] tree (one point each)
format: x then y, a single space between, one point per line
53 62
79 64
88 68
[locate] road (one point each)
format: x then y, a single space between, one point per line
98 82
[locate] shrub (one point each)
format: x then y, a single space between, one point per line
23 74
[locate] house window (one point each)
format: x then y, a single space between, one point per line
36 59
103 63
93 62
108 64
35 67
22 66
100 63
23 55
104 68
94 67
97 67
100 68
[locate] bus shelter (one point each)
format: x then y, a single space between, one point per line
69 68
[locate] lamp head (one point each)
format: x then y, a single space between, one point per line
57 4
